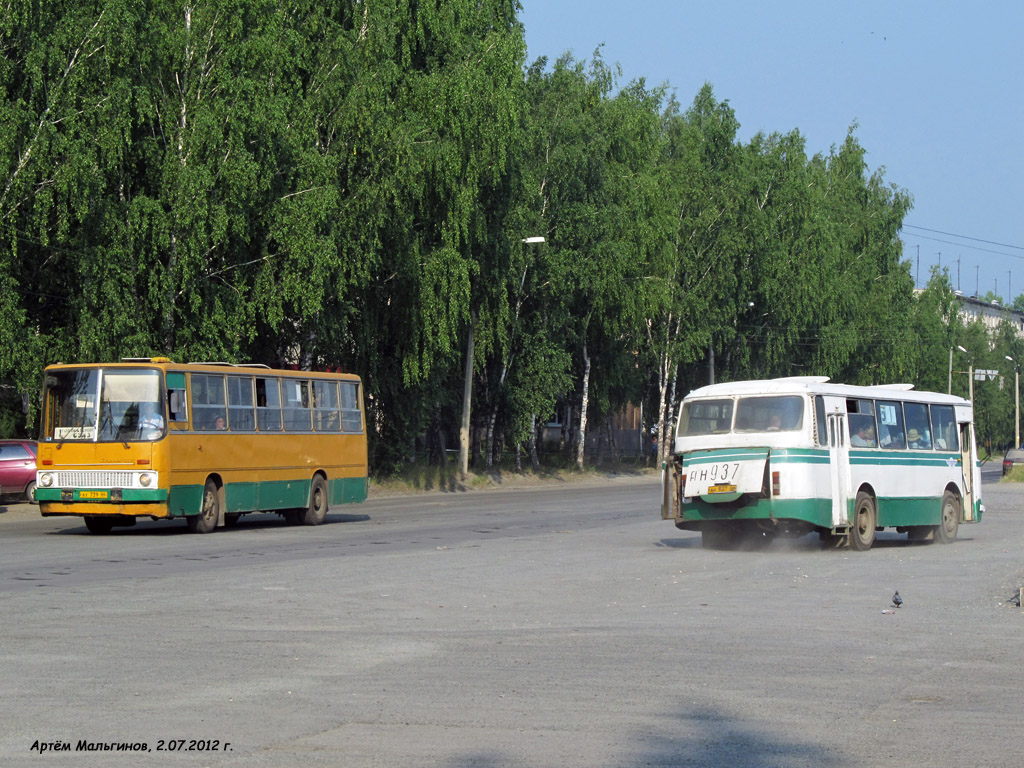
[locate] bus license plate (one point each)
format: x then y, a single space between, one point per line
93 494
722 489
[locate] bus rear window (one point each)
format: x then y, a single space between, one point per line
770 414
706 417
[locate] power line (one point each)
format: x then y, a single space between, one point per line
964 245
965 237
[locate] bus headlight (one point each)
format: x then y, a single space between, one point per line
145 480
46 479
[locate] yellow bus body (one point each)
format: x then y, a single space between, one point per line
254 469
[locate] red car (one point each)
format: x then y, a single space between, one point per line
18 469
1012 458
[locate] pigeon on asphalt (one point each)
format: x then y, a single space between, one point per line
897 600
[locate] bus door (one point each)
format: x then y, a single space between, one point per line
839 467
968 462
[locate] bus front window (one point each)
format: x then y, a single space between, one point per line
70 404
94 405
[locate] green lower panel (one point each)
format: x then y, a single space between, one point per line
185 500
902 511
241 497
284 494
814 511
348 490
255 497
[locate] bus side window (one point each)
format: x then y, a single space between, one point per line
177 402
240 408
861 418
890 424
351 419
947 438
297 413
268 404
208 406
821 421
326 415
919 434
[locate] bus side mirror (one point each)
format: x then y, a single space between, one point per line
176 404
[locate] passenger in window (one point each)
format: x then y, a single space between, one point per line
918 440
864 437
218 423
775 423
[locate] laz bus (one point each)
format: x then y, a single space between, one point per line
204 442
787 457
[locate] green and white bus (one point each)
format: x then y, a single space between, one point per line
753 460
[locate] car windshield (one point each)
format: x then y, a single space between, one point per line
97 405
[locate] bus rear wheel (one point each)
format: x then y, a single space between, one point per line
206 520
946 530
317 510
865 518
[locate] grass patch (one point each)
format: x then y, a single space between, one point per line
1015 475
421 476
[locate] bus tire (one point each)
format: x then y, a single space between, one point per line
946 530
315 513
98 524
862 527
206 520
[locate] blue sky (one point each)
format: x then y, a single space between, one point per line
934 87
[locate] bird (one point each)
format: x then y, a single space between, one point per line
896 599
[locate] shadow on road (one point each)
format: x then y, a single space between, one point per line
254 522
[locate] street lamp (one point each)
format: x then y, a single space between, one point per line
970 373
1016 386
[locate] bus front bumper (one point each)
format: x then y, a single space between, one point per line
133 502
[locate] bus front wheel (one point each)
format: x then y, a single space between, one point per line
98 524
946 530
317 510
206 520
865 518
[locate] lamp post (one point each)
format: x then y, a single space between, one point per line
970 373
949 388
1016 398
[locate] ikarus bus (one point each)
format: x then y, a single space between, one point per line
753 460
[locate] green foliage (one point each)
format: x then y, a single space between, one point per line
348 185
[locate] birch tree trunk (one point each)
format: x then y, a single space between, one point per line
581 434
467 395
534 458
667 427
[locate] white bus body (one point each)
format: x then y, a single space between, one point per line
756 459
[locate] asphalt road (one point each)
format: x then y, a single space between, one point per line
542 627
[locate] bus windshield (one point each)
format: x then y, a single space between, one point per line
103 405
753 414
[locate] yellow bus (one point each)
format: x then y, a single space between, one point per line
207 442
